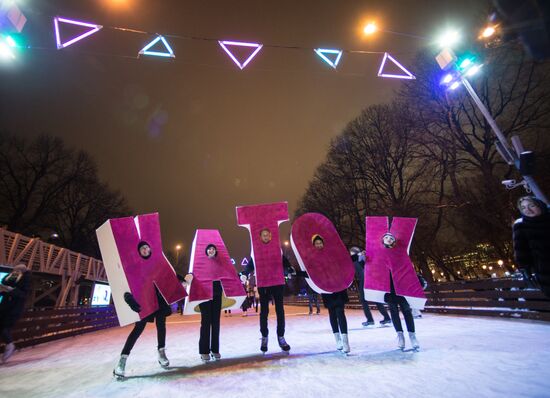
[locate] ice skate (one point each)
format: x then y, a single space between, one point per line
400 341
283 344
338 339
345 344
216 356
368 324
385 322
263 346
120 370
163 360
414 342
8 352
205 358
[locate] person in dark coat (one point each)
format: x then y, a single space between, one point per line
358 260
14 289
531 234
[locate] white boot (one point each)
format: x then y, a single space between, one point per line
400 341
120 368
414 342
345 343
8 351
163 360
338 339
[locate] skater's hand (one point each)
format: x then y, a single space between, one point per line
131 301
188 278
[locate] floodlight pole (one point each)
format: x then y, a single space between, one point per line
447 60
509 156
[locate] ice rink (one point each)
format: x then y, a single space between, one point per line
459 357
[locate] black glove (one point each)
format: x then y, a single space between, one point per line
131 301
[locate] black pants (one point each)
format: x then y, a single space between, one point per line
5 335
313 298
405 309
365 305
338 320
265 294
210 325
160 320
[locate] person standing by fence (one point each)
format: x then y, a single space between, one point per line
531 234
14 290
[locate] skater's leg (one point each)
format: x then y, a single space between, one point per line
333 318
264 310
133 336
216 311
394 311
407 314
5 335
310 302
317 305
364 304
382 309
279 309
161 331
206 323
342 322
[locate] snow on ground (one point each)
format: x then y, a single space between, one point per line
460 357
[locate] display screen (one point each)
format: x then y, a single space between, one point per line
2 275
102 294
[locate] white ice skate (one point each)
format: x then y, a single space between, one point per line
205 358
338 339
345 344
163 360
216 356
414 342
120 370
400 341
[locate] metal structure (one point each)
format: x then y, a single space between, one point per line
67 268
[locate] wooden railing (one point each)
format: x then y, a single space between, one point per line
503 297
46 324
489 297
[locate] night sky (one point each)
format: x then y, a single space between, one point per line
192 138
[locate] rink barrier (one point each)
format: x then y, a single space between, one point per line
41 325
504 297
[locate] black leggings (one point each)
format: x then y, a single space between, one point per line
210 325
160 321
265 294
407 314
337 318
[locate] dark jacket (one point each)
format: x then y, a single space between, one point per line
532 247
13 303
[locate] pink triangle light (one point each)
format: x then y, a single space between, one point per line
225 43
57 20
408 75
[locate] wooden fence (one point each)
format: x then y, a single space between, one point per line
503 297
40 325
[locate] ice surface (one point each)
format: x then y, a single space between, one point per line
460 357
